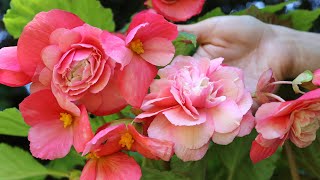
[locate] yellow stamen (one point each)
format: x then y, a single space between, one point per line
126 140
66 118
92 155
137 46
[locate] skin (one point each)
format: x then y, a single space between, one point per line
254 46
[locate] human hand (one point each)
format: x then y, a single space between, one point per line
247 43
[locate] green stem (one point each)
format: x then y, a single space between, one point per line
292 162
57 173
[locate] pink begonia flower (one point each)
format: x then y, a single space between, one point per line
57 51
177 10
297 120
196 100
109 141
147 45
53 129
316 77
264 86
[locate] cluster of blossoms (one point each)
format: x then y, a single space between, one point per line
75 69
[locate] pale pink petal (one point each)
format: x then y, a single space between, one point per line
154 111
51 55
158 51
50 140
191 137
135 80
36 36
82 132
245 102
89 171
118 166
226 116
247 124
151 147
40 107
186 154
225 138
116 48
178 117
37 86
10 71
178 10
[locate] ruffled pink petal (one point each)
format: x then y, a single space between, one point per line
158 51
186 154
150 147
45 77
115 48
67 39
179 117
225 138
51 56
103 136
64 102
269 125
82 132
10 71
135 80
40 107
192 137
158 26
118 166
89 171
226 116
263 148
245 102
36 36
50 140
108 101
103 80
179 10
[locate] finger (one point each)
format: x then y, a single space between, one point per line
210 51
203 30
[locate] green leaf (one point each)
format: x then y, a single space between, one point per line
270 8
154 174
90 11
195 170
308 158
67 163
237 164
11 123
215 12
185 44
303 19
17 164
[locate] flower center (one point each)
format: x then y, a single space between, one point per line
92 155
126 140
137 46
66 119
